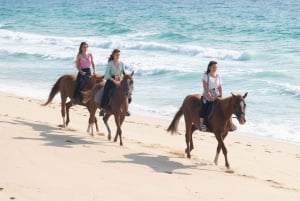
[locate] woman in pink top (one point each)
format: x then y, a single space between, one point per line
84 60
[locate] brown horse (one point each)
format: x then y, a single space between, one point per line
219 123
66 85
118 106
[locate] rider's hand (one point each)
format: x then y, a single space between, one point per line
117 82
82 73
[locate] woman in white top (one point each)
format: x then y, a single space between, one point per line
212 88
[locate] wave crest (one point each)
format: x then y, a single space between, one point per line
64 47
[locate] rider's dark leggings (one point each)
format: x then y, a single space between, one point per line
204 107
80 81
109 85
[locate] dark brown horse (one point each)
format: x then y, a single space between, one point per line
118 106
219 123
66 85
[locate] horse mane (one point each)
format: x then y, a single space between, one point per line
226 102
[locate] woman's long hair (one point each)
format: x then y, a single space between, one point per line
80 47
111 57
209 65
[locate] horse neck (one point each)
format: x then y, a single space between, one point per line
227 106
119 92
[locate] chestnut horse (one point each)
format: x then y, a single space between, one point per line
219 123
66 85
118 106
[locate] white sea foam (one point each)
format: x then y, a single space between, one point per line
64 47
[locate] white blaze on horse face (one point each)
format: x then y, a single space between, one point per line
128 82
242 104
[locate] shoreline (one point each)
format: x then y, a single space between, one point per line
158 117
42 161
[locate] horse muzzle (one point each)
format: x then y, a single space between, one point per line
241 119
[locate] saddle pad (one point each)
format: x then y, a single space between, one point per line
98 96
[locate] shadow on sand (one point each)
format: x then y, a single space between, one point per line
53 136
161 164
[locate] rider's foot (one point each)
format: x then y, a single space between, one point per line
74 101
128 113
202 128
101 113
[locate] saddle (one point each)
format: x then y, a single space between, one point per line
99 96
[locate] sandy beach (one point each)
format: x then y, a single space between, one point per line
40 161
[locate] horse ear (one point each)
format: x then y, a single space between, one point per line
233 94
124 73
132 73
245 95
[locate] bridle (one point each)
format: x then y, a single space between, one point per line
127 88
240 109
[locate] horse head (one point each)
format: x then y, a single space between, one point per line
127 83
240 107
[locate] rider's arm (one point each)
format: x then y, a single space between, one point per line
93 64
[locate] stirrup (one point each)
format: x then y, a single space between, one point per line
202 128
101 113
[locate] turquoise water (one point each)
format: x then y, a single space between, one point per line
168 44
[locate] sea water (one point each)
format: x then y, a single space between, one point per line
168 45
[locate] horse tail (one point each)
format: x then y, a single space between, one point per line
173 127
54 91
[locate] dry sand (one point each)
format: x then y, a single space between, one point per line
41 161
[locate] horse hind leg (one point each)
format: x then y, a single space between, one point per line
68 106
188 138
119 131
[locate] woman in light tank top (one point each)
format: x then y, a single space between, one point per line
84 61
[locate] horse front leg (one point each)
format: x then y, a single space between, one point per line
193 128
105 119
218 150
92 111
223 147
119 131
96 125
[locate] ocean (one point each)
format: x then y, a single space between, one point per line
168 45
